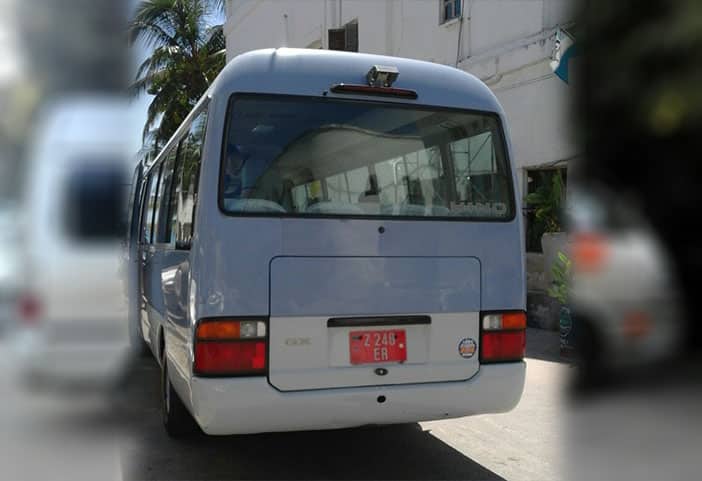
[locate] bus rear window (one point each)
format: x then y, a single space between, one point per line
324 157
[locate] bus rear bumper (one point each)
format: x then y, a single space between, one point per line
252 405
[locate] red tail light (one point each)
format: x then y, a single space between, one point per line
229 347
589 252
503 337
29 309
230 357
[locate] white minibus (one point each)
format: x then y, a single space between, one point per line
331 240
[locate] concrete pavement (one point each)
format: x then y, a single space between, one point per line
123 438
521 445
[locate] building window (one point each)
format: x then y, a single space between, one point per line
450 9
344 38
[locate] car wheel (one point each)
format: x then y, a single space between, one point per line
176 419
589 352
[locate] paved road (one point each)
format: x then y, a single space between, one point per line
44 438
521 445
651 430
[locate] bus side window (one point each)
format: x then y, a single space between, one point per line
148 208
176 192
189 159
133 206
164 194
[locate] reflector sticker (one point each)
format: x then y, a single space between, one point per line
467 348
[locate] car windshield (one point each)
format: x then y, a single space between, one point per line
311 157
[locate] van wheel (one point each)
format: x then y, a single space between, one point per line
176 419
136 338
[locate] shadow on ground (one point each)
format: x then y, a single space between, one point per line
544 345
392 452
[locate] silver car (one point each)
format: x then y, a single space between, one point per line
625 304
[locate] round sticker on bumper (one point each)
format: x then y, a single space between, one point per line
467 348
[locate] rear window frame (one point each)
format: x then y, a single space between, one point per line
393 104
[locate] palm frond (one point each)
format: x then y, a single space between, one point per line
155 23
214 40
218 5
186 55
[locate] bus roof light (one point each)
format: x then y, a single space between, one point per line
378 91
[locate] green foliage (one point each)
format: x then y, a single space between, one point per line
186 56
547 203
561 271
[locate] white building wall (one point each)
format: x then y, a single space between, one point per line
506 43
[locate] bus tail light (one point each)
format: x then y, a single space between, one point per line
502 337
230 347
29 309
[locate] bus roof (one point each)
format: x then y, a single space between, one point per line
293 71
290 71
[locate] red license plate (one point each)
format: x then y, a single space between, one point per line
370 347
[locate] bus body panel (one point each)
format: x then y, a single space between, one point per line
307 351
240 282
251 405
352 286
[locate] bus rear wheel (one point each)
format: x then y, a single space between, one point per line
177 421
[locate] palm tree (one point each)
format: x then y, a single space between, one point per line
219 5
186 56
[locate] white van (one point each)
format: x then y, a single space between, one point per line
72 311
329 240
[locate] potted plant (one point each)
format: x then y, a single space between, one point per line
547 201
547 205
559 290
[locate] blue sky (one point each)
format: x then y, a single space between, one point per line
140 105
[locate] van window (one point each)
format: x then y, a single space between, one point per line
162 229
149 205
94 203
184 196
297 156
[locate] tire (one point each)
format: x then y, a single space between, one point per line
177 421
136 338
592 374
